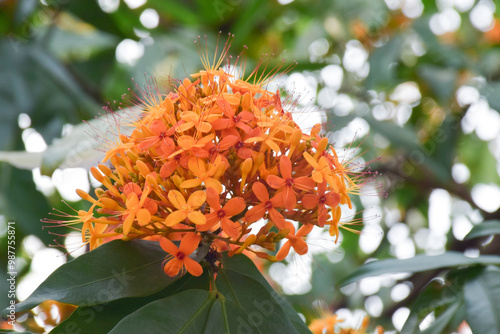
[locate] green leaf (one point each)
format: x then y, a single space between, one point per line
63 78
441 80
186 312
438 326
17 190
192 311
486 228
175 11
491 91
66 44
406 139
102 318
439 296
417 264
482 299
383 63
115 270
242 265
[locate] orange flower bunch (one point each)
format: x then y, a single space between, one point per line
328 324
210 159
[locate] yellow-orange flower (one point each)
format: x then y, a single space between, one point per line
186 209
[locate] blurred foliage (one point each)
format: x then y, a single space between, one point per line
59 66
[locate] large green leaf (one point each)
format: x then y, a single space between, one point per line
243 266
115 270
486 228
193 311
102 318
482 299
417 264
243 303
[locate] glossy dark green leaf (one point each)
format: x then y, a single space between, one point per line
438 294
192 311
418 263
115 270
243 266
439 325
102 318
482 299
486 228
186 312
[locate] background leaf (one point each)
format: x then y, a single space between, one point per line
417 264
109 272
482 299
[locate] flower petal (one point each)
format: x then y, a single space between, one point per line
231 228
260 191
175 217
143 217
191 183
213 198
332 199
197 218
197 199
284 250
193 267
176 198
304 183
255 213
299 245
172 267
310 201
277 218
275 182
189 243
285 167
234 206
212 219
168 246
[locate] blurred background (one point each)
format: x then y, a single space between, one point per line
414 83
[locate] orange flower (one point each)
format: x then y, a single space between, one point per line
207 176
179 257
186 210
286 184
322 172
232 120
223 214
295 240
265 205
135 210
319 200
160 138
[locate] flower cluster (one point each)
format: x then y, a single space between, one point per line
209 160
328 324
